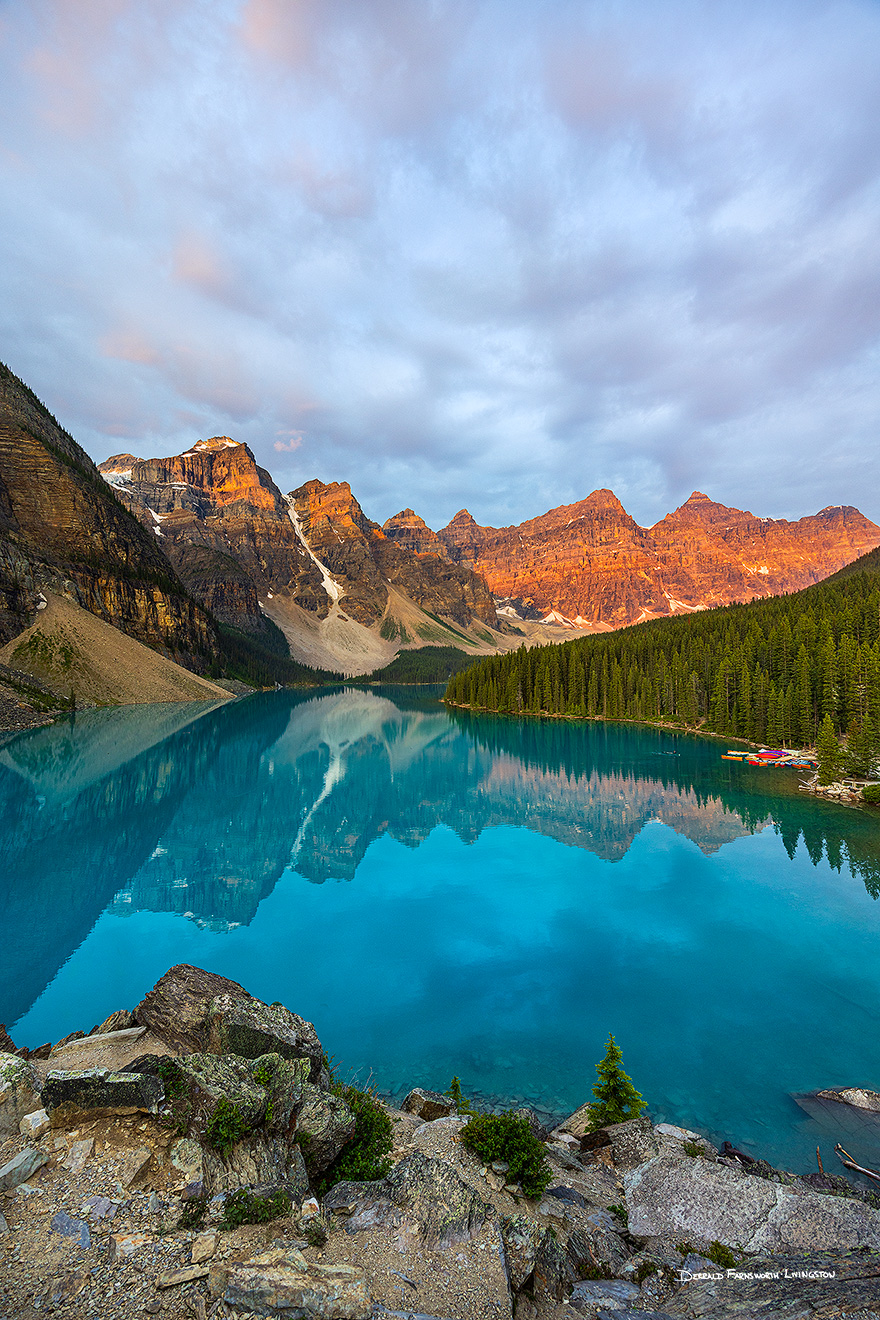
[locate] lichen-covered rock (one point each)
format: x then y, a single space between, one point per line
702 1201
425 1194
632 1142
19 1091
100 1092
590 1295
197 1011
280 1282
259 1161
521 1236
327 1123
427 1104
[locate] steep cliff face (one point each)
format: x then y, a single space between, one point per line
364 559
590 562
61 527
246 550
223 523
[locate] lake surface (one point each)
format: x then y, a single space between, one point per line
449 894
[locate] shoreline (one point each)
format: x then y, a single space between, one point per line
187 1157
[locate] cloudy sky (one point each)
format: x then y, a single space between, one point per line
493 253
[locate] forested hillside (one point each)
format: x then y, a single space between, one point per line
769 671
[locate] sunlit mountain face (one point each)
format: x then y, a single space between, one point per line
446 893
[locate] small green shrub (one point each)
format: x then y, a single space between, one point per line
174 1085
264 1073
315 1232
193 1212
620 1212
506 1137
365 1157
246 1207
722 1256
644 1270
693 1148
226 1126
871 793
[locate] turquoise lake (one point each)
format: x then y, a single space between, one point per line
450 894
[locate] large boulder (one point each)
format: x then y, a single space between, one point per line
423 1193
243 1116
631 1143
97 1093
427 1104
280 1282
197 1011
324 1124
19 1092
702 1202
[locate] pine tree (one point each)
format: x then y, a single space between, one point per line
827 752
617 1098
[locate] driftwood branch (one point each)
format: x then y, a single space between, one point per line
847 1160
819 1162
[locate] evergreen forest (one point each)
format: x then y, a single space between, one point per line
785 671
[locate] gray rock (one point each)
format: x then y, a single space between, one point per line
19 1092
121 1020
521 1237
259 1161
279 1282
198 1011
211 1079
21 1167
554 1272
425 1193
639 1315
632 1142
77 1229
427 1104
697 1200
327 1123
538 1128
101 1092
4 1227
790 1292
705 1202
590 1295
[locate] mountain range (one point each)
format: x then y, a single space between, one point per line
201 557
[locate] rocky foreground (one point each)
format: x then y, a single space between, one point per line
129 1158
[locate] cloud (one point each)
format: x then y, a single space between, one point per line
459 253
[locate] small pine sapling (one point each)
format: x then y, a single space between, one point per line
616 1098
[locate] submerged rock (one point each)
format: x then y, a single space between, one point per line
856 1096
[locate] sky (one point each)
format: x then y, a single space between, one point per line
491 254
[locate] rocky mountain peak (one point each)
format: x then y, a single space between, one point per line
411 532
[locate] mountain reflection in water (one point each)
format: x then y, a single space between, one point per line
199 810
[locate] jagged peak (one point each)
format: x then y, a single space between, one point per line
463 519
604 499
214 443
406 517
119 463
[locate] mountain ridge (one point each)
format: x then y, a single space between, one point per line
590 563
